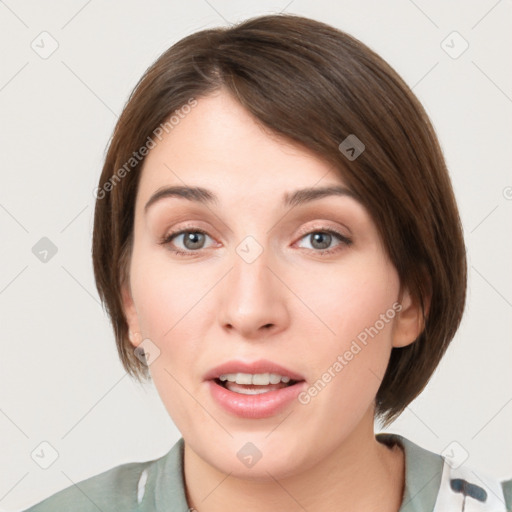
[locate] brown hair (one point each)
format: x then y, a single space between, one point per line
315 85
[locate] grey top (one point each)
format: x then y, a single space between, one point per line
158 485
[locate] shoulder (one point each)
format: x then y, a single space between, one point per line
438 483
507 491
113 490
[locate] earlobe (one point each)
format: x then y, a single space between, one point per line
409 322
135 338
131 316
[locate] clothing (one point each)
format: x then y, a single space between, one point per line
431 485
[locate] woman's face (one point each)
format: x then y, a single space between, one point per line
262 291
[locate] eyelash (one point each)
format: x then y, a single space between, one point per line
166 240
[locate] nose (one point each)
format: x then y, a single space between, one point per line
253 297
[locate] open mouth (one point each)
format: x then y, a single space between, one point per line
254 384
254 390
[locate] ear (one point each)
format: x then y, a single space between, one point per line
409 321
130 313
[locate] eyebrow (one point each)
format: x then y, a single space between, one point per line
205 196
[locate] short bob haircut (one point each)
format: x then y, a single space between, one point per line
314 85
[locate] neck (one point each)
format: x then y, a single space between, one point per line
360 474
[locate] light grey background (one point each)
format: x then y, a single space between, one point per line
60 379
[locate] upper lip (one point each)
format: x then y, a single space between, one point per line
259 366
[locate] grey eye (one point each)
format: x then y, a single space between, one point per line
322 239
193 240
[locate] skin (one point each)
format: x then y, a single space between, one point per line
211 306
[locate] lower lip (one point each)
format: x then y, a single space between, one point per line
262 405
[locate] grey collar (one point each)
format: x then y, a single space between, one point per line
423 470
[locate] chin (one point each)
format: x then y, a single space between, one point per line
252 457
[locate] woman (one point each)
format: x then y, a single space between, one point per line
278 246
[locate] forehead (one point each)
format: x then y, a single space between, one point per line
220 146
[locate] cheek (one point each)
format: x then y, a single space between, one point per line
168 303
345 301
163 293
168 306
352 330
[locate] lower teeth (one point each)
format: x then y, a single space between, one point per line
245 389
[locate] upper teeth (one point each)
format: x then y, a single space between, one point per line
261 379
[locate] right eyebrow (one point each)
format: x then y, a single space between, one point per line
197 194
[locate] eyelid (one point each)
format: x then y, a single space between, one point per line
190 226
324 226
344 234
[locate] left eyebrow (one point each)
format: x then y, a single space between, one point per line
306 195
205 196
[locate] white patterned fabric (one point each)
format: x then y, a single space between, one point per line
467 490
